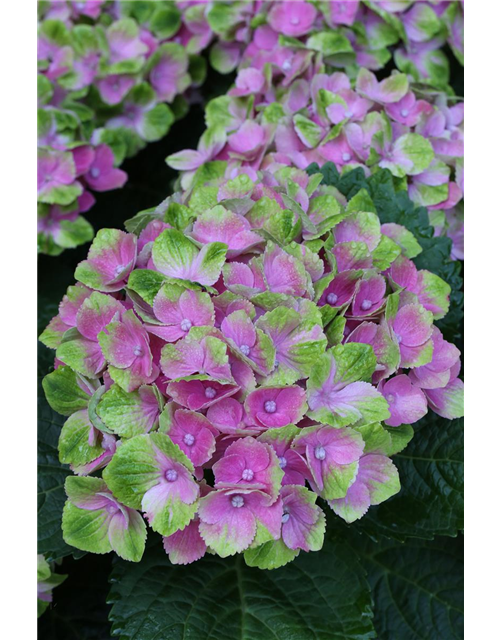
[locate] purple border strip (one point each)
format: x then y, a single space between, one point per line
482 354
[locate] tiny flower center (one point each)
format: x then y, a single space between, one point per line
287 65
247 475
210 392
366 304
285 517
269 406
138 351
95 172
295 20
245 349
118 270
237 501
404 112
186 324
320 453
111 508
346 156
349 114
398 337
390 398
282 461
332 298
171 475
189 439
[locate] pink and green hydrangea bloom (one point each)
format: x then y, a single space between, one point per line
47 580
221 393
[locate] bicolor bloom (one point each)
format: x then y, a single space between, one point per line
249 464
94 520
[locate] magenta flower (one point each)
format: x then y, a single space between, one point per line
56 177
303 522
370 296
101 175
276 406
124 41
110 259
114 88
412 330
332 457
249 464
292 18
187 545
248 81
125 345
341 289
83 352
251 343
228 416
191 432
168 74
178 310
292 464
203 356
244 279
407 403
339 396
199 394
376 481
222 225
229 519
438 372
408 111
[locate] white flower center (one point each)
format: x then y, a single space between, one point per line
245 349
210 392
138 351
285 517
282 461
404 112
366 304
320 453
247 475
95 172
237 501
189 439
269 406
346 156
332 298
171 475
186 324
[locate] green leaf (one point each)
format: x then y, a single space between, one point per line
146 283
319 596
431 500
417 587
63 392
51 477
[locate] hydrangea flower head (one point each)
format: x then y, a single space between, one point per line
222 386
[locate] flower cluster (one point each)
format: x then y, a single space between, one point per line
346 34
46 581
112 77
309 116
256 343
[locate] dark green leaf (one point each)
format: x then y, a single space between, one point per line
319 596
431 500
417 587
